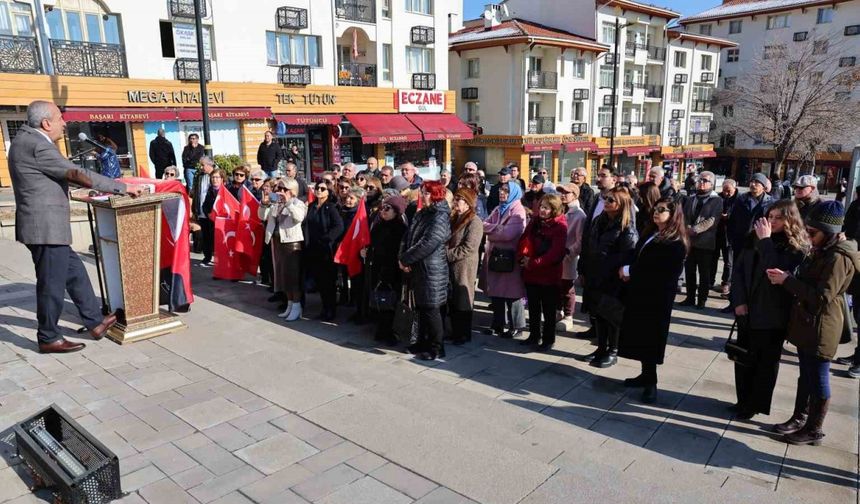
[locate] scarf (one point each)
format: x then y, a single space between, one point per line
515 193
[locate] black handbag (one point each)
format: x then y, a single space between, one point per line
383 298
405 325
609 308
502 260
735 352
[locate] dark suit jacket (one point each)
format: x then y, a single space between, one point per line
40 181
161 154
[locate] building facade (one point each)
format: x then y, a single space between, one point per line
755 25
320 74
560 66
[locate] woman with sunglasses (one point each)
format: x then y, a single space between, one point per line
386 233
612 235
283 214
169 173
216 180
817 317
651 277
240 180
762 309
352 287
462 250
422 254
373 200
324 227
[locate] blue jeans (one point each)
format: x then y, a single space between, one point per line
508 311
814 374
189 179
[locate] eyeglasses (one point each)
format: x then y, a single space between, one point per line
662 209
705 181
256 180
322 189
169 174
361 179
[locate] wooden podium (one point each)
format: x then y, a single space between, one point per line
128 231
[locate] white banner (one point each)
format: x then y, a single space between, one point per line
185 41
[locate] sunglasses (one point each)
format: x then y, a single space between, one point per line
169 174
544 172
387 207
256 180
322 189
281 189
705 181
344 187
611 200
241 175
662 209
361 179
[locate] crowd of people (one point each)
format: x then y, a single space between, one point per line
787 263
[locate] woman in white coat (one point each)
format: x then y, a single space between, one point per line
283 214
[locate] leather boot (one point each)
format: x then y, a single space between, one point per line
798 418
608 359
811 433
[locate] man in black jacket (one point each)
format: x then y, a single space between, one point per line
657 175
729 195
493 198
269 154
161 153
586 193
702 213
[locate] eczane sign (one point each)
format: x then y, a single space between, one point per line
411 100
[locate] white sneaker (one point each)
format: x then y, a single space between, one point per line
565 324
559 315
287 311
295 313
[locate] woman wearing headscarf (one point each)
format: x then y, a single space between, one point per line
386 233
504 286
817 317
462 251
283 214
323 228
423 255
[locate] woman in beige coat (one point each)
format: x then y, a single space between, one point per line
466 234
283 214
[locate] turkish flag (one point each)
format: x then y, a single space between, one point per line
225 214
249 242
357 237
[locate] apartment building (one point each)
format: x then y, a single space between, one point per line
754 25
337 80
538 77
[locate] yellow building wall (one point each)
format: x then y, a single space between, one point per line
250 136
5 178
141 151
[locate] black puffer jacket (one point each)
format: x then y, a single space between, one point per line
609 246
423 249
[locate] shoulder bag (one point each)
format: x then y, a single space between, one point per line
735 352
405 325
383 298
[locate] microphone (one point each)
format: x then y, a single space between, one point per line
84 138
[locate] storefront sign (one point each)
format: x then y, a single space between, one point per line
306 99
185 41
309 119
227 114
117 115
494 141
420 101
630 141
174 97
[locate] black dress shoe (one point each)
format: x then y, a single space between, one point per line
426 356
62 345
606 360
529 341
493 330
845 361
700 306
649 395
513 333
546 346
590 357
687 302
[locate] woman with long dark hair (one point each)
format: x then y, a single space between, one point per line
612 236
651 279
422 255
466 234
649 193
324 227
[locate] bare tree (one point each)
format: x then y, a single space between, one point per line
795 97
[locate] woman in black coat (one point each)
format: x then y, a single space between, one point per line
651 283
386 233
269 154
612 236
761 308
323 227
423 255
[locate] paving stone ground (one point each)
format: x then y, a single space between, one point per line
241 407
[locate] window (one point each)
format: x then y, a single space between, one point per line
728 110
848 61
473 68
608 33
606 77
386 8
290 49
18 22
578 68
86 23
680 59
730 82
420 6
700 124
852 30
604 117
733 55
819 47
419 60
677 93
561 111
705 29
674 128
735 26
702 93
777 21
773 51
473 112
166 29
801 36
577 111
707 59
386 62
825 15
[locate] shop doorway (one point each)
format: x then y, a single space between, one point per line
223 135
118 132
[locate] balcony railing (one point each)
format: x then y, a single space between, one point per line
185 8
701 105
356 74
541 125
699 138
543 80
19 55
356 10
292 18
656 53
651 128
630 49
628 89
625 128
469 93
675 142
578 128
188 69
423 35
606 132
89 59
423 81
653 91
294 75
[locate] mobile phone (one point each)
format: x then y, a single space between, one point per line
274 197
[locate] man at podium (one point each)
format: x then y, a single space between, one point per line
41 177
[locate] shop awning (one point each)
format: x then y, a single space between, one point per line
75 114
441 126
640 151
225 114
384 128
580 146
309 119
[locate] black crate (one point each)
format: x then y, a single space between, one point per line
98 479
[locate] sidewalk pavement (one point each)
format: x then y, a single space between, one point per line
241 407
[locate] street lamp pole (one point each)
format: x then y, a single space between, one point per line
614 94
201 65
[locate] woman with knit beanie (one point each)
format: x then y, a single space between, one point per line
817 316
466 235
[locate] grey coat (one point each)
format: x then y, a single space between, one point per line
40 178
463 263
703 228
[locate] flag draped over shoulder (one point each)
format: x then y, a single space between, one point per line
225 214
175 261
356 238
249 241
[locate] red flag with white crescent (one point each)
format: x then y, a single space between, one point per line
225 214
249 242
357 237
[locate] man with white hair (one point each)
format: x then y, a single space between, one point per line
586 193
349 171
702 213
408 171
806 194
372 167
161 153
657 175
